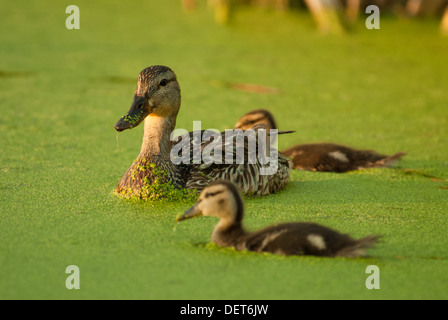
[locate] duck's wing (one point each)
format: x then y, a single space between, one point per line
222 158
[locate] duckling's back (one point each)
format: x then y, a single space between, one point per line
306 239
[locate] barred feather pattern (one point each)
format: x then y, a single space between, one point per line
247 176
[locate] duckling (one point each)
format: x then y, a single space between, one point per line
254 117
156 102
221 199
326 157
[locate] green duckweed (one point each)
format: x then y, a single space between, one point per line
154 185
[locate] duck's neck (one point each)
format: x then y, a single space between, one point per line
156 139
228 233
155 151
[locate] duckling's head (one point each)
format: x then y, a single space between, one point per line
157 94
220 199
259 116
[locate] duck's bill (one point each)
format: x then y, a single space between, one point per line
137 113
194 211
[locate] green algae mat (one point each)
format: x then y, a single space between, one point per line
62 90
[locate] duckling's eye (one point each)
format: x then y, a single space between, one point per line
164 82
211 194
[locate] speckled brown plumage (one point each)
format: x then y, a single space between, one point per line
147 75
247 176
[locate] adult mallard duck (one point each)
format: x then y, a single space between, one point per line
222 200
157 102
329 157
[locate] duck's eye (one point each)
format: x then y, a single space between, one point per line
163 82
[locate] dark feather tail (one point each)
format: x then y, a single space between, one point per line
359 247
388 161
263 126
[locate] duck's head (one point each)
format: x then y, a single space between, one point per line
259 116
157 94
220 199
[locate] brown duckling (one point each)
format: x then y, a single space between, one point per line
221 199
328 157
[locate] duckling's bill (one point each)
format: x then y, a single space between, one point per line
194 211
